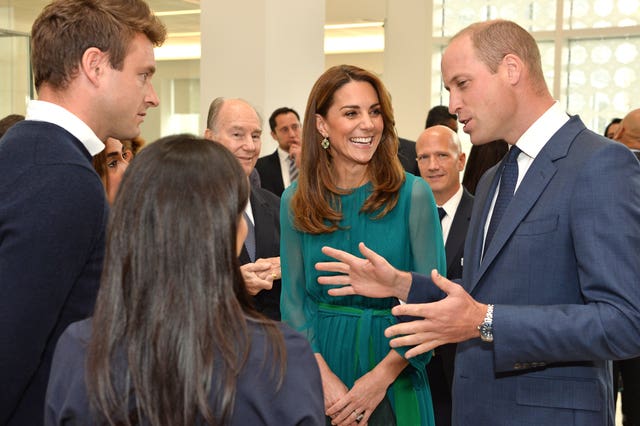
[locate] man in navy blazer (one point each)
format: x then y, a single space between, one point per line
554 296
440 159
275 168
236 124
53 210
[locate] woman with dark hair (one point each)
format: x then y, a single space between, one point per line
612 128
174 340
110 164
352 188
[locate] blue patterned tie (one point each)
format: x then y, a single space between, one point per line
508 181
250 241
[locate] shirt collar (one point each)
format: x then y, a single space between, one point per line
284 155
452 203
536 137
55 114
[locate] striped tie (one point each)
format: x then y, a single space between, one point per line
250 241
293 169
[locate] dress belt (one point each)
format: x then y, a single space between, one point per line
365 324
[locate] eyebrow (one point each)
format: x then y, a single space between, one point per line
358 107
151 69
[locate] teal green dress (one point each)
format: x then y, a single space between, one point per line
349 331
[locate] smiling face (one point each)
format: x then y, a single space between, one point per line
440 161
480 98
353 124
238 128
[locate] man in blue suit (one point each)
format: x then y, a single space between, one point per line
553 294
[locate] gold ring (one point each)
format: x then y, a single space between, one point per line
274 276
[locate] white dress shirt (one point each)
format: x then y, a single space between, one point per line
55 114
284 166
450 208
531 143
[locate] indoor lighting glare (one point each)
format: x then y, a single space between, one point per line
177 52
354 25
373 43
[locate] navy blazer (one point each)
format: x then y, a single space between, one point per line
53 214
407 156
454 246
562 270
271 173
258 401
266 215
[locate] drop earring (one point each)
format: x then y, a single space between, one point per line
325 143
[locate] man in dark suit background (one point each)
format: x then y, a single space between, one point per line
407 148
236 124
440 159
279 169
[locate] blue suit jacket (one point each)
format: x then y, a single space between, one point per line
563 272
53 214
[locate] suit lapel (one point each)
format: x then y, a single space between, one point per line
458 231
535 181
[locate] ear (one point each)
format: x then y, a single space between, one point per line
514 67
93 64
462 159
321 125
208 134
273 135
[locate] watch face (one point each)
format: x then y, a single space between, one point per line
486 333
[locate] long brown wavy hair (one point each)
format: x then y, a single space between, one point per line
170 329
316 202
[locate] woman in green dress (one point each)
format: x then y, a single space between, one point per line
352 188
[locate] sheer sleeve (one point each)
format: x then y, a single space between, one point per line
298 309
427 246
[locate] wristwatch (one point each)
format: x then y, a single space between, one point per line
486 328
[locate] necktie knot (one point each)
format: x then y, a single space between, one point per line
442 213
513 154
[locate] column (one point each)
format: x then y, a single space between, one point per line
269 52
407 63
